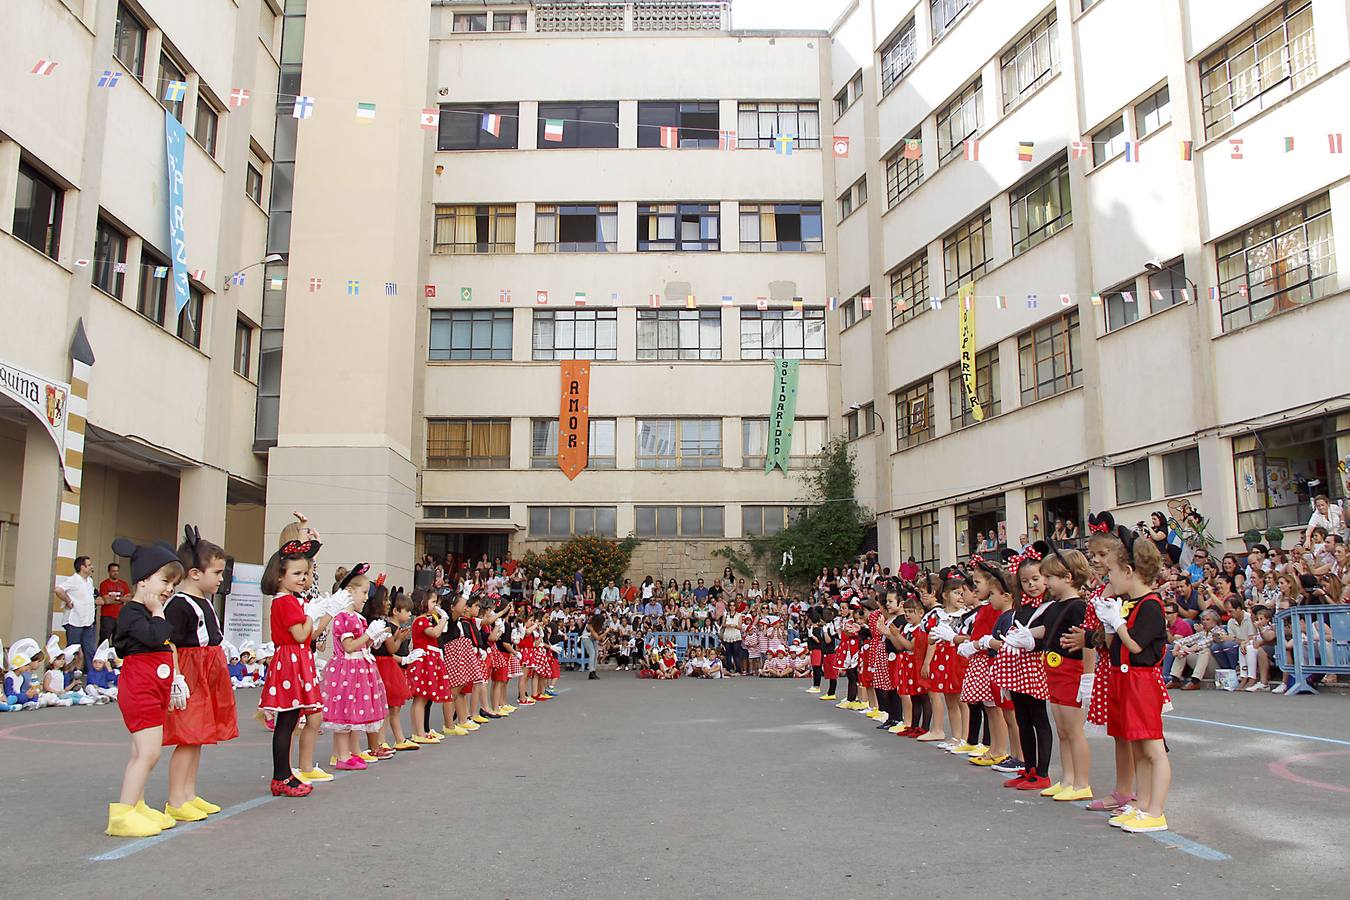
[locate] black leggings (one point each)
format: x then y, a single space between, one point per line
888 701
978 734
923 711
281 744
426 718
1033 722
817 672
852 676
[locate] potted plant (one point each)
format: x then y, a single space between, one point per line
1275 537
1252 537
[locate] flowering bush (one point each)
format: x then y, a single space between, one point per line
602 559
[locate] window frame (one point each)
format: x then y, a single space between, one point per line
243 356
680 513
753 320
944 15
969 97
924 527
549 513
653 115
1010 63
911 400
1107 147
679 214
594 460
451 118
150 260
898 56
445 217
986 390
807 441
110 249
253 183
757 514
1175 274
595 351
206 112
442 462
1114 299
1134 475
1061 336
1152 106
805 213
772 113
135 66
660 350
511 19
1023 203
582 130
1248 40
702 455
962 239
50 237
554 213
189 328
916 293
1185 456
178 108
903 175
451 318
469 18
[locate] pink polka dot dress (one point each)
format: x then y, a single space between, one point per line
353 692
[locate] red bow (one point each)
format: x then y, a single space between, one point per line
1034 600
379 579
297 548
976 559
1098 528
1031 554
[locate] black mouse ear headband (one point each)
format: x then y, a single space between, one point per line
1101 523
992 571
192 536
1127 537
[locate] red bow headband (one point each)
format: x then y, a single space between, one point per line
976 559
1031 554
1098 528
308 549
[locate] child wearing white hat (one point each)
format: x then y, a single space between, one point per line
54 691
21 687
102 680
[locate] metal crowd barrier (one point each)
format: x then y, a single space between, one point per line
1318 638
683 641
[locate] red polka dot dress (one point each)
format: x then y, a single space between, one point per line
427 677
948 670
977 687
292 682
461 657
875 654
1096 712
353 692
1022 671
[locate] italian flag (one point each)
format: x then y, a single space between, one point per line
553 129
365 110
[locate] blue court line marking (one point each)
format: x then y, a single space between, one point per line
180 829
1291 734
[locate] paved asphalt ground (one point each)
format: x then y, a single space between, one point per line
749 787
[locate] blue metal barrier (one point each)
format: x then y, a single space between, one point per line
683 640
572 653
1318 638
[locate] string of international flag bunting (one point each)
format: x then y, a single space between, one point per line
554 130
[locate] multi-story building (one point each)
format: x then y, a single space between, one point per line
432 209
138 397
1156 288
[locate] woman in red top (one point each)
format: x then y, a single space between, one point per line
292 681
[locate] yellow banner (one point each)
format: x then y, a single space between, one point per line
966 302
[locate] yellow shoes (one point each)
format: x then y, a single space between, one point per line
1052 790
418 739
455 731
208 808
1126 815
407 745
311 776
185 813
481 720
164 822
471 725
827 697
509 708
897 728
843 704
368 756
877 715
126 821
1068 793
977 750
813 690
502 711
987 760
963 748
1144 823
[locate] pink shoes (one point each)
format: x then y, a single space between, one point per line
1112 802
351 763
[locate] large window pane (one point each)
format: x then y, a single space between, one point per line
470 334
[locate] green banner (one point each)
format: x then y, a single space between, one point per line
782 413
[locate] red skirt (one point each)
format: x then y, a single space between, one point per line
1021 671
513 666
830 663
948 669
143 690
1101 691
554 667
396 690
292 682
427 678
209 717
1063 678
905 675
923 685
817 658
536 659
464 663
879 666
1134 705
977 688
498 665
864 671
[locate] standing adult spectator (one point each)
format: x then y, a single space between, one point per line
77 595
579 583
909 570
1327 515
591 639
732 629
111 591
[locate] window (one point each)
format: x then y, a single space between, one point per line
909 288
1041 207
850 95
1121 311
584 125
960 119
861 422
965 251
679 226
1048 358
468 443
37 211
782 334
169 72
1132 484
898 56
470 22
475 229
1260 66
902 173
679 521
508 21
1030 62
919 539
781 227
243 347
853 198
129 41
697 123
464 126
1277 265
1279 470
1108 142
470 334
582 228
809 436
190 319
152 299
679 334
1165 286
1088 4
1181 472
854 311
253 183
206 126
758 520
568 521
1153 112
944 13
760 123
600 452
914 414
576 334
110 255
679 443
986 389
466 512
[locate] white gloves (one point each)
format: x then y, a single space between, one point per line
1085 688
338 602
983 643
377 631
179 693
943 632
316 608
968 649
1019 637
1108 610
412 657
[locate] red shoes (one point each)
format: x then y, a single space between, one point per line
913 732
1017 780
1033 782
291 788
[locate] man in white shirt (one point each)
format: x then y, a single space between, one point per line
77 596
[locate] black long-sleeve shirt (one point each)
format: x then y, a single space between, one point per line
140 632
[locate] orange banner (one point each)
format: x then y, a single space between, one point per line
574 417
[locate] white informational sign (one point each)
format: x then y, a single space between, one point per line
243 606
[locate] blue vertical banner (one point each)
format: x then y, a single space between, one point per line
782 415
175 138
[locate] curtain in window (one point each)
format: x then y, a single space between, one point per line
609 227
505 228
768 226
488 440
